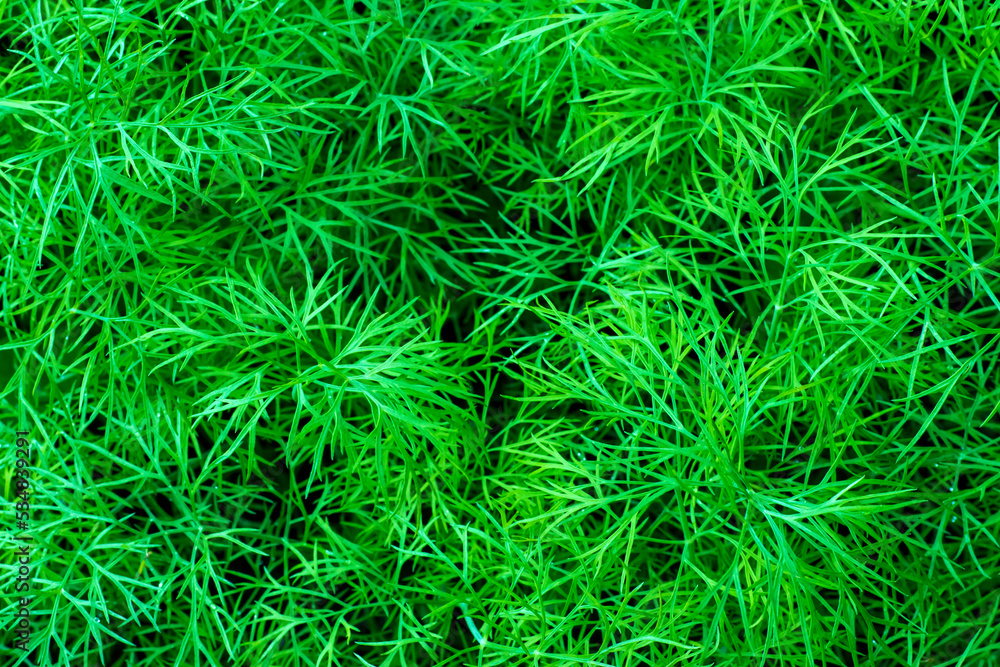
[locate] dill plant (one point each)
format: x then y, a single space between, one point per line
473 333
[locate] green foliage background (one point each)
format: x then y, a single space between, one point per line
502 333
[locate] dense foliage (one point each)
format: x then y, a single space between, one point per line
502 333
